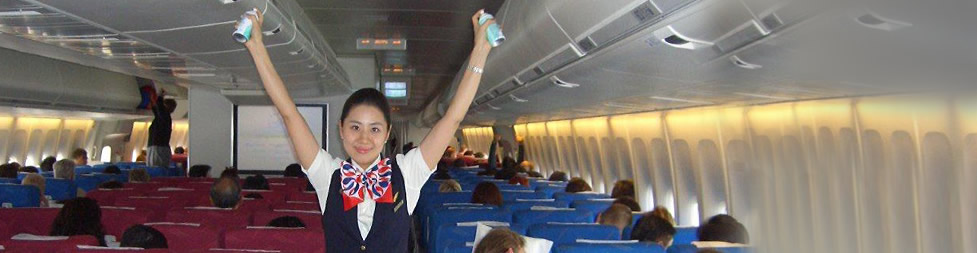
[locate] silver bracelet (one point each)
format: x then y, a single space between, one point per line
477 70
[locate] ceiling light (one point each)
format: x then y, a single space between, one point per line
612 104
762 96
18 13
872 20
680 100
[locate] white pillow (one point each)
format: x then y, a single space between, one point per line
533 245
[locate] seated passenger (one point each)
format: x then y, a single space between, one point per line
256 182
29 169
142 236
8 171
654 229
617 215
112 169
79 156
629 202
110 185
37 181
449 185
79 216
578 185
139 175
623 188
199 170
469 158
294 170
480 156
230 172
487 193
506 173
500 240
663 213
286 222
459 163
64 169
519 180
179 157
225 193
441 173
48 163
559 176
141 158
723 228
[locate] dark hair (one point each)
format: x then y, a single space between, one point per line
623 188
578 185
78 153
469 152
225 193
256 182
79 216
179 150
294 170
287 222
8 171
48 163
199 170
143 236
170 105
487 193
533 173
506 173
651 228
367 96
558 176
441 174
500 240
509 163
29 169
519 180
723 228
629 202
112 169
458 163
616 215
110 185
230 172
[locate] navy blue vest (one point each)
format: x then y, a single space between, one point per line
391 222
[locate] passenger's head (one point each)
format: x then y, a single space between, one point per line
80 156
480 155
500 240
617 215
170 105
8 171
470 153
139 175
256 182
559 176
225 193
142 236
487 193
723 228
663 213
506 173
578 185
179 150
294 170
623 188
629 202
509 163
365 125
35 180
527 166
230 172
286 222
112 169
654 229
64 169
449 152
458 163
111 185
48 163
449 185
199 170
519 180
29 169
78 216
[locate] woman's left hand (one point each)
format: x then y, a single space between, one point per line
480 31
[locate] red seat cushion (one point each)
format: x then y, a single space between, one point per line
157 205
28 220
117 219
222 218
269 196
184 237
312 219
88 249
67 245
107 197
303 196
297 205
284 239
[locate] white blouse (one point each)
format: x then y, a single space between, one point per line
412 166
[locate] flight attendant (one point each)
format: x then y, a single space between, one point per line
367 199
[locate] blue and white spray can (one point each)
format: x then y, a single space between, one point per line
243 32
492 33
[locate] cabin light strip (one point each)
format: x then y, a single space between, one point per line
680 100
762 96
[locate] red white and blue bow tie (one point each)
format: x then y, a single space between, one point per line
374 182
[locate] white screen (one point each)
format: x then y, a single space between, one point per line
261 139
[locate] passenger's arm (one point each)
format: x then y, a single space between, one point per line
303 142
434 143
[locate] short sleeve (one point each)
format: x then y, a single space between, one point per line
320 175
416 173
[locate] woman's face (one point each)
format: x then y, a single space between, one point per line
364 131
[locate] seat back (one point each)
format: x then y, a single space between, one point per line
185 237
519 205
604 247
458 234
28 220
593 205
60 189
284 239
157 205
531 217
117 219
570 197
303 196
20 195
510 195
549 190
569 233
272 197
450 216
107 197
297 205
223 218
685 235
49 244
97 249
312 219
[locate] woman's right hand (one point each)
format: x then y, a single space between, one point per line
256 35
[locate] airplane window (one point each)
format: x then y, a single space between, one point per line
714 181
745 184
599 170
644 187
586 168
106 154
65 143
662 169
624 159
4 134
554 154
574 163
79 139
611 167
934 186
870 184
793 177
844 166
34 147
50 143
688 199
899 182
17 147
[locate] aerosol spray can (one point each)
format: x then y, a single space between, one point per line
243 32
492 33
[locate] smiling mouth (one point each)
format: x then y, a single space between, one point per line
362 150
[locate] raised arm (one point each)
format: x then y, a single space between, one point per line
434 143
303 142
